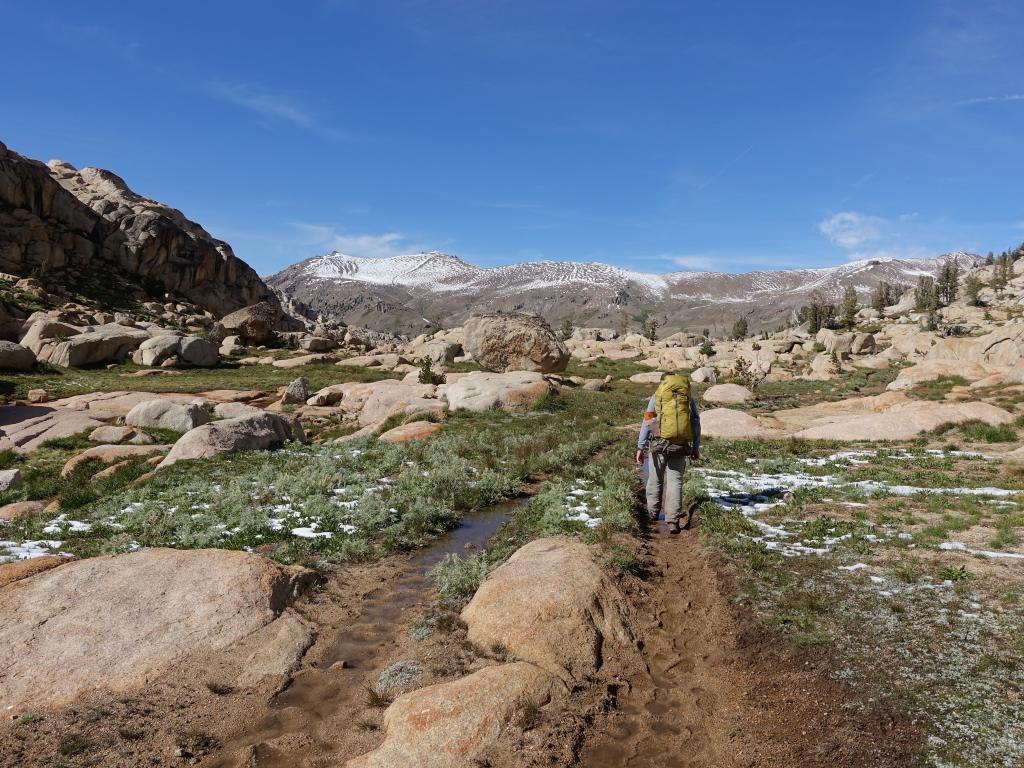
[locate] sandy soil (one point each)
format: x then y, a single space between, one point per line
713 691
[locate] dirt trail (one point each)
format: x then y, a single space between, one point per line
714 692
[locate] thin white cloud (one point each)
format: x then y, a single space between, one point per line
272 105
692 262
721 171
371 246
850 229
991 99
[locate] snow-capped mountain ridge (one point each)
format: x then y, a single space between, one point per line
438 271
398 292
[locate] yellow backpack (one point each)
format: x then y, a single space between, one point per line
672 404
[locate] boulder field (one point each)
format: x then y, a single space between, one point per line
118 622
374 402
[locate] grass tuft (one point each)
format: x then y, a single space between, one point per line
376 699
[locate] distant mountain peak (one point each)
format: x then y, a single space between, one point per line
399 291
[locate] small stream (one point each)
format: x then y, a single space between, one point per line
319 694
413 588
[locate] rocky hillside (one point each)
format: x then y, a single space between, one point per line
404 293
84 231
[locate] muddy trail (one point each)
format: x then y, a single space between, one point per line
320 718
713 690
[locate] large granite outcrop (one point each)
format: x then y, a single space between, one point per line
54 217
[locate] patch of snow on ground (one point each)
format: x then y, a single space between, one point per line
26 550
578 511
957 546
61 522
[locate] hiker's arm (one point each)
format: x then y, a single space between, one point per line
695 426
645 432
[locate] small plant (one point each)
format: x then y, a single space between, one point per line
376 699
529 714
72 443
367 725
707 349
565 330
9 458
937 389
427 373
747 374
130 734
978 432
220 689
953 573
27 718
458 578
549 403
623 559
498 648
835 364
907 571
72 744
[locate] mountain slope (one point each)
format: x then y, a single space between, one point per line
404 293
86 230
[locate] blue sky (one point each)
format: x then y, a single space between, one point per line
653 135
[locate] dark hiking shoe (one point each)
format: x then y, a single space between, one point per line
674 528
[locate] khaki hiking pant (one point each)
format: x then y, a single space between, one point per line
665 485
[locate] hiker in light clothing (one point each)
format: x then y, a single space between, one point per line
667 466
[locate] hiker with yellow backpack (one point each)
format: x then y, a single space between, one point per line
669 434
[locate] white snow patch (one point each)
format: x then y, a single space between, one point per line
26 550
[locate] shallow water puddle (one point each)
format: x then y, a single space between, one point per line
341 677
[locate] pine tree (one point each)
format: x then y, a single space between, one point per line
1003 271
566 329
651 329
818 314
740 328
972 287
882 297
926 296
990 259
948 283
849 310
